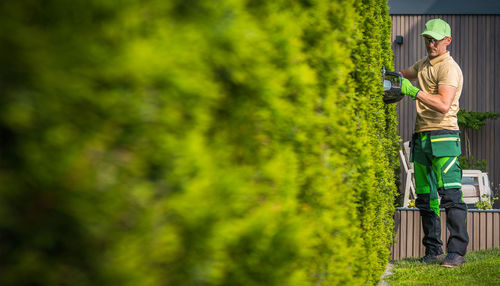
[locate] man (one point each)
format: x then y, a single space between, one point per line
435 145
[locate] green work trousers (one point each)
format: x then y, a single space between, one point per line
438 174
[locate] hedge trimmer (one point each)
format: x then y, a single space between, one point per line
392 86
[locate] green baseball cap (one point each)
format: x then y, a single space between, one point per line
437 28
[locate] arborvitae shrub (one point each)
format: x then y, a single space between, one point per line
195 142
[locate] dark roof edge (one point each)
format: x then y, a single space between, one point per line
444 7
415 14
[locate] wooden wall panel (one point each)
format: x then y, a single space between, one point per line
483 228
476 48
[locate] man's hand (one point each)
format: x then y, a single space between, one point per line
408 89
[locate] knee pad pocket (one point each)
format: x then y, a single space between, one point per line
451 197
451 174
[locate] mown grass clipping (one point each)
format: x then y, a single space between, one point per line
195 142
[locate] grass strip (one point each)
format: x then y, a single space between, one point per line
482 268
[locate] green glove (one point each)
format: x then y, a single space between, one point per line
408 89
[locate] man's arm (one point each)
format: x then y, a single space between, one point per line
440 102
409 74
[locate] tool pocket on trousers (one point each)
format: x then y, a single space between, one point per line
446 145
451 174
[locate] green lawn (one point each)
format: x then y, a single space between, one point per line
482 268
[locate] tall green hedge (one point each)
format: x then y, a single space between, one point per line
183 142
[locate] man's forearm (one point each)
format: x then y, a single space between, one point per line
407 73
437 102
440 102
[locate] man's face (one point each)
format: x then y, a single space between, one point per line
436 47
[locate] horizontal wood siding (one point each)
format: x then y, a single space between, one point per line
476 48
483 228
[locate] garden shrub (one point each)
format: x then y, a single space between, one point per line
195 142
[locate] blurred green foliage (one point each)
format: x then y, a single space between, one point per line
472 163
474 120
468 121
195 142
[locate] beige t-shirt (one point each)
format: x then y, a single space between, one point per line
431 73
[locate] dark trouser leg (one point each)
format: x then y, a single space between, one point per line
431 224
456 219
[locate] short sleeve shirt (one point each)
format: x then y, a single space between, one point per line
442 70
